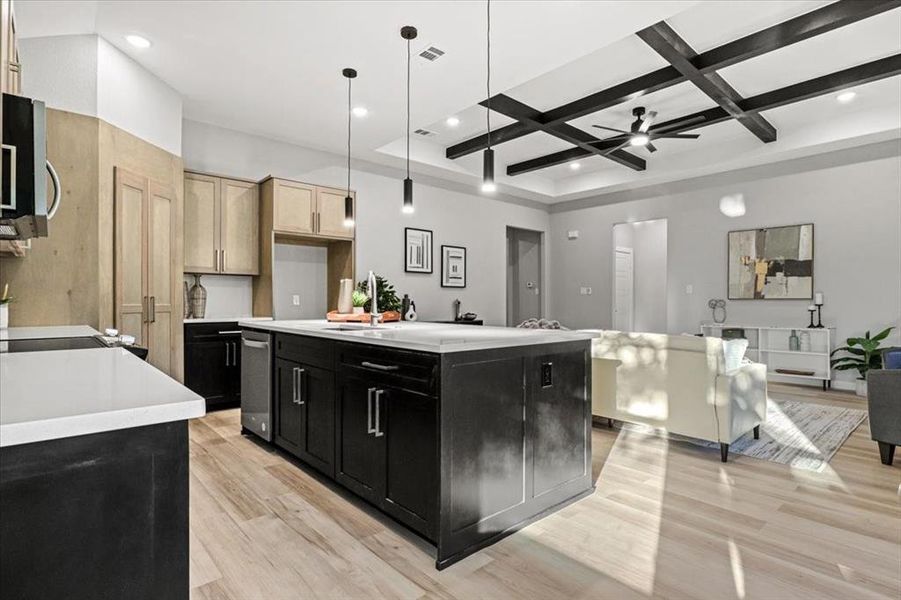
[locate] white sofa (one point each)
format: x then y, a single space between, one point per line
678 383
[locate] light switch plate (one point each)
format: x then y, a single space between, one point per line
295 299
573 234
585 291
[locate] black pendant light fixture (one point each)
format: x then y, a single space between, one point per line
350 74
409 33
488 184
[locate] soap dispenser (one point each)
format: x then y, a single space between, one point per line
410 315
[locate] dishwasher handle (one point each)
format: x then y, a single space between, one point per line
252 344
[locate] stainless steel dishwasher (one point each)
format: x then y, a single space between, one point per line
256 383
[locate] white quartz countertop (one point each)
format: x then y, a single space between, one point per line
65 393
40 333
426 337
226 319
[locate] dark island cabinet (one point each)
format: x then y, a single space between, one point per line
305 412
213 362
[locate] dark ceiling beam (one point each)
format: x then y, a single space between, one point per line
526 114
816 22
834 82
664 40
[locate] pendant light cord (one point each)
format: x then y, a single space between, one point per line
488 77
349 83
408 109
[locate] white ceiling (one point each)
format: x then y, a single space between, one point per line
273 69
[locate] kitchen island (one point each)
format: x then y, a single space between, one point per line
93 472
463 434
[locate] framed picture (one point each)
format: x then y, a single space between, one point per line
453 266
417 250
774 263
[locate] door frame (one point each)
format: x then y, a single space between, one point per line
631 253
542 276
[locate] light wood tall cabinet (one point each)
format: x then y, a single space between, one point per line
11 74
304 209
146 278
222 219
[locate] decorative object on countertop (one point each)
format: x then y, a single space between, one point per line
534 323
805 341
346 302
4 307
457 309
198 299
387 297
410 315
717 304
864 356
771 263
187 301
418 251
811 309
794 342
405 305
358 301
453 266
470 316
818 302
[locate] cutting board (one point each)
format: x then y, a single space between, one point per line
336 317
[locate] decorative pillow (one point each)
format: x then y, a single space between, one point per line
734 352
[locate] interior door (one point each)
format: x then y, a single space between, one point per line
330 210
240 227
524 273
131 295
293 206
359 464
623 295
164 316
201 223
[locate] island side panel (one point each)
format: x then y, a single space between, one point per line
97 516
492 407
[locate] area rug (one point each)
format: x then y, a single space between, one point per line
803 435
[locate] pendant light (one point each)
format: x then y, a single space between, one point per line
409 33
350 74
488 184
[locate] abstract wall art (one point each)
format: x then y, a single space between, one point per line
775 263
417 250
453 266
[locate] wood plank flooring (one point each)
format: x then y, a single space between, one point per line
668 520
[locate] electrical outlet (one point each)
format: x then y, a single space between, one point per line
585 291
295 299
689 289
573 234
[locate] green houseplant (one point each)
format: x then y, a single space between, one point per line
862 354
387 298
358 299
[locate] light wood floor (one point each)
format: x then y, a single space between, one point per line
668 520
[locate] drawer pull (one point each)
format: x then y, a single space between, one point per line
379 367
230 332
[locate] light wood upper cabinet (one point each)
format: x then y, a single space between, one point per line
330 213
222 219
11 72
293 206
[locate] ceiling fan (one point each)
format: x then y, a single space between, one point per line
639 134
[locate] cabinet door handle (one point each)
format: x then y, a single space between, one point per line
227 362
378 401
215 259
143 309
379 367
234 354
298 374
153 309
369 427
223 261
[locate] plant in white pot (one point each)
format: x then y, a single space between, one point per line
862 354
5 299
359 300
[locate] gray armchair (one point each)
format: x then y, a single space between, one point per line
884 404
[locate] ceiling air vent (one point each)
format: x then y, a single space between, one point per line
431 53
425 133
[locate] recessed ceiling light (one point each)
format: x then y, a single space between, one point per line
138 41
360 111
639 140
574 166
452 121
846 97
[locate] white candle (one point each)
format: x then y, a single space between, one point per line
818 299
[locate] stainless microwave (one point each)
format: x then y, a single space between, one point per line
24 210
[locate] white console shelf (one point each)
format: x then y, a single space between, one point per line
769 345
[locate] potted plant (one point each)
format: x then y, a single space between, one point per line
862 355
359 300
4 307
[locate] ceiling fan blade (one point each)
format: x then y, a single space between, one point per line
646 122
680 124
676 136
612 150
651 147
610 129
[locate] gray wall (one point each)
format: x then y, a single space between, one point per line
471 220
647 239
856 211
299 271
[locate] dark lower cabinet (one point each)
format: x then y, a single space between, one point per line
305 412
213 363
359 452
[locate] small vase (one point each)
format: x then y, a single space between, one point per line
198 299
187 301
4 315
358 310
345 295
860 388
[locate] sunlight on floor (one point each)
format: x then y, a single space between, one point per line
738 573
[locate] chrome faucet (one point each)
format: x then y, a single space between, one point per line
373 292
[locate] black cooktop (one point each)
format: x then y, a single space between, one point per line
71 343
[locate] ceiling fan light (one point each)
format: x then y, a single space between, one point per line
639 139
